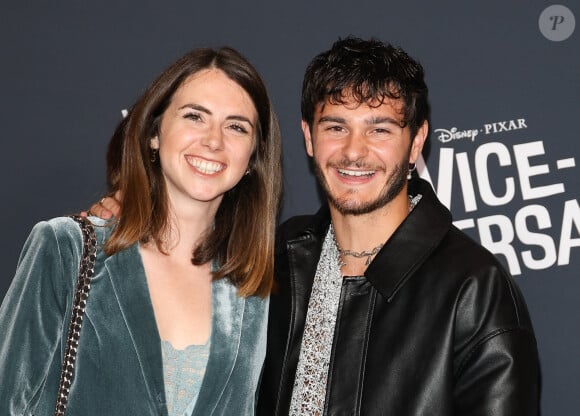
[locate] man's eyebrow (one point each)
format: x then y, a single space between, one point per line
380 120
331 119
370 121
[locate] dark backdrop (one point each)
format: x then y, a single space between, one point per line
504 81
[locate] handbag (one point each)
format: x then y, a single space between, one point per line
81 294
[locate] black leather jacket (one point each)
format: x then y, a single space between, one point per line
436 327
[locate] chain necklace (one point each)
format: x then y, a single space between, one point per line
358 254
370 253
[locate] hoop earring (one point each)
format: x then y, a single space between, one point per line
412 167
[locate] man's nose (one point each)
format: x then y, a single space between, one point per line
355 146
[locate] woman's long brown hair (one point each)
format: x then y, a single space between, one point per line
242 239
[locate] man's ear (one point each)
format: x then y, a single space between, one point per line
419 142
154 143
307 138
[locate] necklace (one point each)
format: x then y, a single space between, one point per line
358 254
369 253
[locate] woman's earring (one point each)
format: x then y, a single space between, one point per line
247 172
153 149
153 156
412 167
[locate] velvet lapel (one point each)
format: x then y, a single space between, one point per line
227 317
129 282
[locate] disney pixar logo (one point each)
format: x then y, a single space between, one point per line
454 133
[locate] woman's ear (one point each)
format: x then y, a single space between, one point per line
154 143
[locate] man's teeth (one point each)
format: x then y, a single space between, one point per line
205 166
345 172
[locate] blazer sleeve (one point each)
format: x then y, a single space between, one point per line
499 373
32 314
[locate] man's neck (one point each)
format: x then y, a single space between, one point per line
359 233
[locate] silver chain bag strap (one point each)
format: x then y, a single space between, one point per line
86 271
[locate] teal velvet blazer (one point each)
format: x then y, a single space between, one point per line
119 368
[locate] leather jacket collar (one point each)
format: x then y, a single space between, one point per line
405 251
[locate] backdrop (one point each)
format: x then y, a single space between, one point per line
503 77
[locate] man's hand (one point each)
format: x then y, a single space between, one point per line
107 208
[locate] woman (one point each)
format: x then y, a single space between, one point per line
176 317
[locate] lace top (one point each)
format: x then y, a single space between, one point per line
183 372
308 395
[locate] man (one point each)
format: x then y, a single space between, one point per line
383 307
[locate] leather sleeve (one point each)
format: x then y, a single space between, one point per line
501 377
497 366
